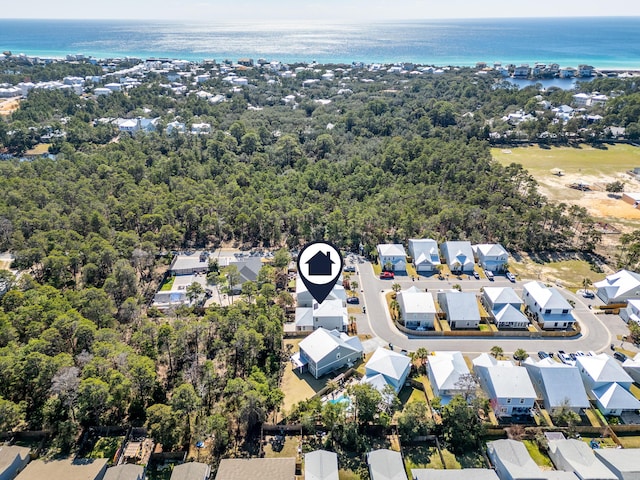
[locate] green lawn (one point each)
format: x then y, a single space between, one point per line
630 441
168 284
106 447
586 160
422 456
540 458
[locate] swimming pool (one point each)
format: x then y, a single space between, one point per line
341 399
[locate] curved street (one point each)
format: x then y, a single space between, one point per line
598 332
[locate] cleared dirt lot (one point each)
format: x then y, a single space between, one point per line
9 105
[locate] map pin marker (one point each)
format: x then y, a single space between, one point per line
319 266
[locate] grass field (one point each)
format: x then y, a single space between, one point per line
540 458
584 164
570 272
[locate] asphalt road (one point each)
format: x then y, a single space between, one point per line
598 332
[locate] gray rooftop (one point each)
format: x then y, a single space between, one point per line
191 471
624 461
321 465
386 465
257 468
125 472
576 456
463 474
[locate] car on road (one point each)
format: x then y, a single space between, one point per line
511 277
619 356
387 276
587 294
476 275
542 355
350 268
488 274
353 300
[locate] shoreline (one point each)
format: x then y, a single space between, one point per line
195 58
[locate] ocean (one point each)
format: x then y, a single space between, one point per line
606 42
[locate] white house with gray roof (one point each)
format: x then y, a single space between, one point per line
386 465
619 287
324 351
425 254
508 386
417 308
305 299
548 306
600 370
621 461
491 256
559 385
461 308
632 311
330 314
608 384
576 456
505 307
393 366
321 465
392 255
445 371
459 256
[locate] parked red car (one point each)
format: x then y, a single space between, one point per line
387 276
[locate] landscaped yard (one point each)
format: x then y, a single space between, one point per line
276 447
168 284
106 447
423 456
540 458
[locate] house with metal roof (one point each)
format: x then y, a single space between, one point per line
330 314
127 471
607 383
445 371
508 386
459 256
491 256
386 465
559 385
632 311
262 468
458 474
188 264
392 256
621 461
321 465
12 460
191 471
393 366
505 307
461 308
548 306
576 456
619 287
613 399
512 461
631 366
305 299
325 351
425 254
600 370
417 308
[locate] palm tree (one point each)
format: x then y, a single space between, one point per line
586 283
394 307
396 287
422 354
497 351
354 285
520 355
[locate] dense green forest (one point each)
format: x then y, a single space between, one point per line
385 160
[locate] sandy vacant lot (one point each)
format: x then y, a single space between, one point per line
9 105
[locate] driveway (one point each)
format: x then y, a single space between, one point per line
597 331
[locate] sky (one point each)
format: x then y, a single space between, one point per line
315 11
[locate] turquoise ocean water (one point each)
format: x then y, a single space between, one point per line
610 42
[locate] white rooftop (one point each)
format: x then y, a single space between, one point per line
490 249
546 297
414 300
391 250
322 342
506 379
615 397
603 368
321 465
502 295
447 368
561 383
577 456
388 363
619 283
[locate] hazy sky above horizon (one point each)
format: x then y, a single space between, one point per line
314 11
